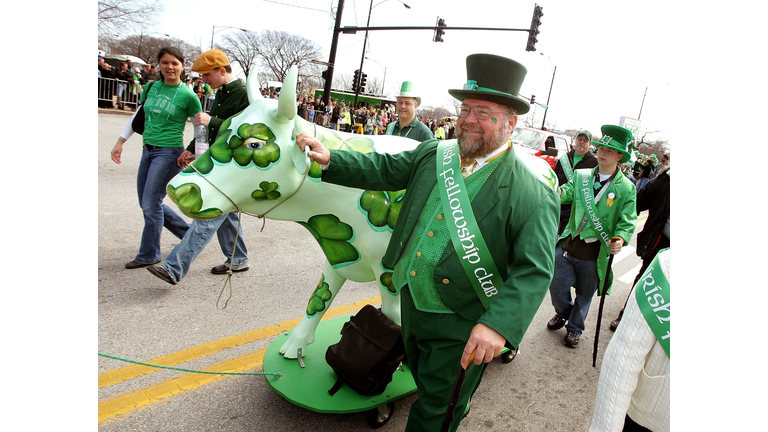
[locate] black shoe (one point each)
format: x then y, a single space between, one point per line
162 273
134 265
224 268
614 324
571 339
556 323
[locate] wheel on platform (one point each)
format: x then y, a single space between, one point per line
508 356
378 417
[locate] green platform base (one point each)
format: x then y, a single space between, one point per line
308 386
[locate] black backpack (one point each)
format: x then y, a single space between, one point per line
370 350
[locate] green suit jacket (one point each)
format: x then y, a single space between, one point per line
619 218
517 214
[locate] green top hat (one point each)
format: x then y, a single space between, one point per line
617 138
408 89
496 79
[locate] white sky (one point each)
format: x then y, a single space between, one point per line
604 59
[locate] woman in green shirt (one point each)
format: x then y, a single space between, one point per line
167 105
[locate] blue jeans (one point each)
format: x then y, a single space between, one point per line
200 233
642 182
156 169
582 276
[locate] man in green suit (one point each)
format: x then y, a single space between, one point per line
448 311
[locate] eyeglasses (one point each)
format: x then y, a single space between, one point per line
480 113
582 139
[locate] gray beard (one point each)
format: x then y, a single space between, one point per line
482 145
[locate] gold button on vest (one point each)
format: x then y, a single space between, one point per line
413 273
439 217
431 234
446 281
418 254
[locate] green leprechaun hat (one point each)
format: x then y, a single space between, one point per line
408 89
617 138
496 79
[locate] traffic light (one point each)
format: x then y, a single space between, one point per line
438 37
324 74
534 31
363 80
356 81
533 99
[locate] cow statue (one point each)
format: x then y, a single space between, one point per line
255 166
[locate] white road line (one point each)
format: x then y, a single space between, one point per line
625 252
630 276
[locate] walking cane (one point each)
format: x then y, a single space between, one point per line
602 302
455 395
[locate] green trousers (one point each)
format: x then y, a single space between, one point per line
434 344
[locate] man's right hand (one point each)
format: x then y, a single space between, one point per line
185 159
317 152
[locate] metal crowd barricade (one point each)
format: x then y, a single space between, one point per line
108 93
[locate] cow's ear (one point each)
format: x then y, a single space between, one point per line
252 85
286 104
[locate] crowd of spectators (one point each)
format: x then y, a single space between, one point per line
367 120
644 168
122 87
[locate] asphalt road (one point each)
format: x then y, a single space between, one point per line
202 323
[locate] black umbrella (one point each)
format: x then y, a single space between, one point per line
602 302
455 395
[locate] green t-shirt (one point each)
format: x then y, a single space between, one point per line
166 112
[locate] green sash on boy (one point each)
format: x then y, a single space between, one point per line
652 294
465 234
586 191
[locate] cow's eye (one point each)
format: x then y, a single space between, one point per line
253 144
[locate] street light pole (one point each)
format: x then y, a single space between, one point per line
332 55
550 90
383 81
214 31
362 57
548 96
365 42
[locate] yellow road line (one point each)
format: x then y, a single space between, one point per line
128 402
129 372
125 403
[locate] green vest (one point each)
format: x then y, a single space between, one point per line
426 245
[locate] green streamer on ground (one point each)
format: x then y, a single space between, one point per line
189 370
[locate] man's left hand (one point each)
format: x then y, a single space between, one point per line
202 118
486 343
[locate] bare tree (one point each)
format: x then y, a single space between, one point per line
342 82
147 47
373 86
241 48
117 17
279 51
646 146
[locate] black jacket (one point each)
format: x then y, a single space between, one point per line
653 197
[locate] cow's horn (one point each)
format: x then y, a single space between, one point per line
286 105
253 86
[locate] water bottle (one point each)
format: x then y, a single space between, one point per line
201 140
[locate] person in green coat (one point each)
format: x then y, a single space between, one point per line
602 221
444 317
